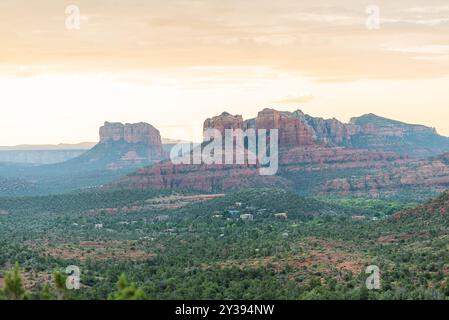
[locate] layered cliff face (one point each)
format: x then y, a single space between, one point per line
122 149
369 132
325 157
208 178
431 175
133 133
369 156
295 163
293 131
332 131
379 134
121 146
414 141
223 122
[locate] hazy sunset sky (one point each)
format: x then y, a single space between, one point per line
174 63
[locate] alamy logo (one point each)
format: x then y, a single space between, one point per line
373 280
373 19
73 20
73 280
253 147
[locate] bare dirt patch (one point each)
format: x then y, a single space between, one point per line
396 238
310 255
169 202
90 250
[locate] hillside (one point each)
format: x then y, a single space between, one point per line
11 187
182 246
414 141
122 149
415 178
433 211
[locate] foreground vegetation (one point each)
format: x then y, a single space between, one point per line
254 244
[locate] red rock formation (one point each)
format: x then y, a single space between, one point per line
307 145
433 174
223 122
292 130
209 178
332 131
217 178
112 131
133 133
336 157
142 132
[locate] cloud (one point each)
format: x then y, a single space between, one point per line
301 98
275 40
326 40
430 22
427 10
427 49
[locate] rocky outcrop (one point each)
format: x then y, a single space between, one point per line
414 141
249 124
369 132
219 178
368 156
293 131
112 131
332 131
132 133
223 122
121 146
374 125
143 134
335 157
430 175
209 178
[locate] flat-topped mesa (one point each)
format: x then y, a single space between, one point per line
223 122
132 133
112 131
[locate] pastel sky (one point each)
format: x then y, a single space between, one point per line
174 63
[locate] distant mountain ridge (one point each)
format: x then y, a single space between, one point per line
414 141
122 149
56 153
69 146
60 146
314 155
370 155
368 131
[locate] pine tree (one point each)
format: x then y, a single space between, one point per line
126 291
60 285
45 293
14 289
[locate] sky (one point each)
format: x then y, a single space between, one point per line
68 66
